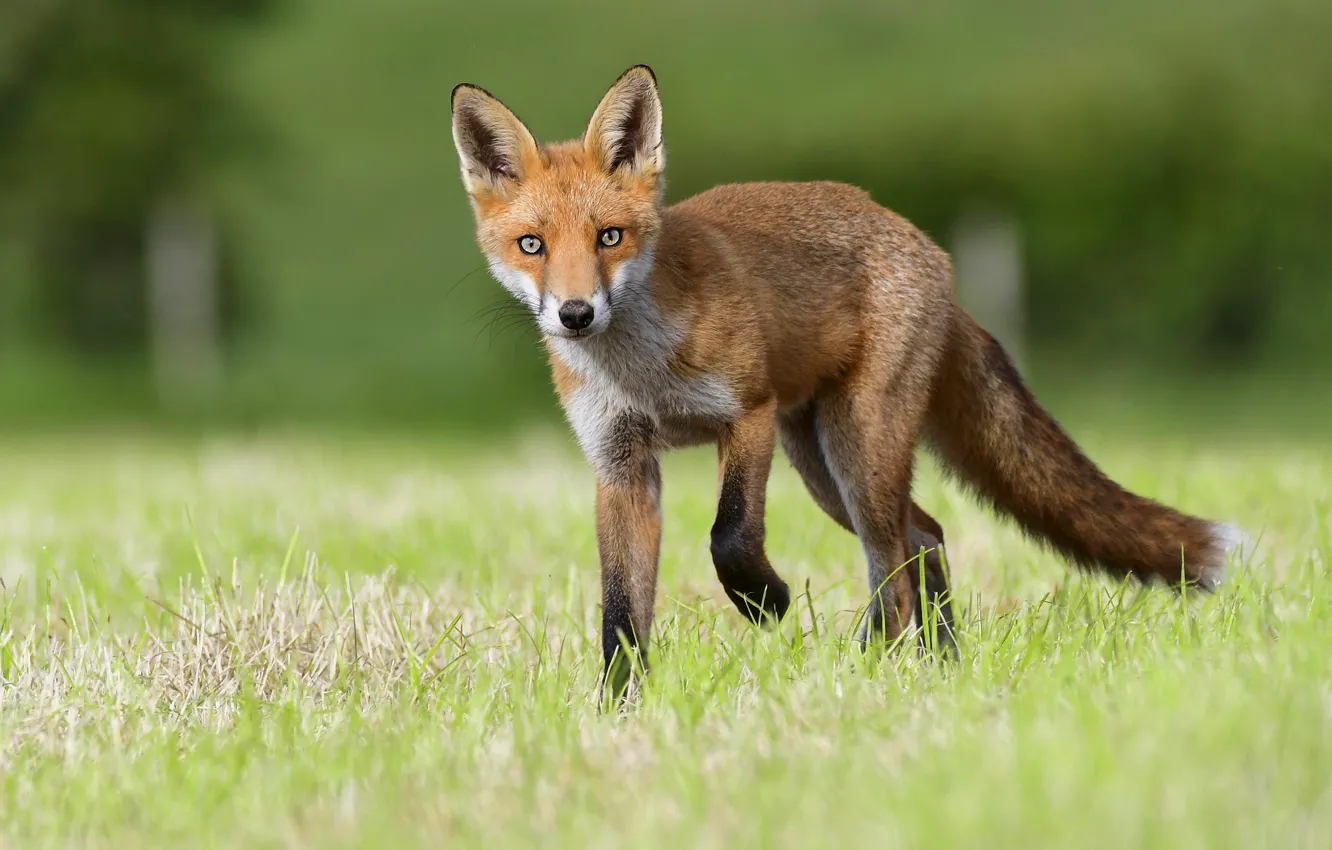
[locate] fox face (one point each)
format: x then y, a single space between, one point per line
570 228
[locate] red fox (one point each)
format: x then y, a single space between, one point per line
749 314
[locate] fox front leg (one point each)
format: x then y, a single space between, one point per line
745 452
629 546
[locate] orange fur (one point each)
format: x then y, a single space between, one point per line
752 312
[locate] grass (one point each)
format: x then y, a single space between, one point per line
297 641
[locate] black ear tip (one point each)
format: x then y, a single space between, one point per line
642 69
471 87
457 90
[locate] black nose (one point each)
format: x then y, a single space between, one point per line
575 314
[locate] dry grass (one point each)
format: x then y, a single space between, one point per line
289 642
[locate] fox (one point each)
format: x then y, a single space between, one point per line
803 314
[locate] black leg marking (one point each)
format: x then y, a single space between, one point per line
620 648
935 604
737 553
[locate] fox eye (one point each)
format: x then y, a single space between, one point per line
529 244
611 236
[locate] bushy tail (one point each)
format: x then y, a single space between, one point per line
986 427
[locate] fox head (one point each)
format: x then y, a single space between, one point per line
567 228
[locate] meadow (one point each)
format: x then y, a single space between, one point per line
292 640
282 634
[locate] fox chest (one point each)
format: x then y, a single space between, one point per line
614 388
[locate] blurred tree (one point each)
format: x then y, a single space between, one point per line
108 108
1185 223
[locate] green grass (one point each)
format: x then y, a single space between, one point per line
299 641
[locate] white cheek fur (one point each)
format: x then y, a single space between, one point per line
634 271
631 273
519 284
548 318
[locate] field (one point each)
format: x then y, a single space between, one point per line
296 640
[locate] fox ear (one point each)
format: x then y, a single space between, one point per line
493 145
626 128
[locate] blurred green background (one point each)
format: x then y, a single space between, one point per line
1164 168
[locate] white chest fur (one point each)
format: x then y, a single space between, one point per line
626 370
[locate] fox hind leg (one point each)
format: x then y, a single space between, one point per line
799 436
800 440
935 601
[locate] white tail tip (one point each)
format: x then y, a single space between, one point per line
1232 541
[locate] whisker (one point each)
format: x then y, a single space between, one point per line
459 281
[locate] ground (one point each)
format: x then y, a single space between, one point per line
290 640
